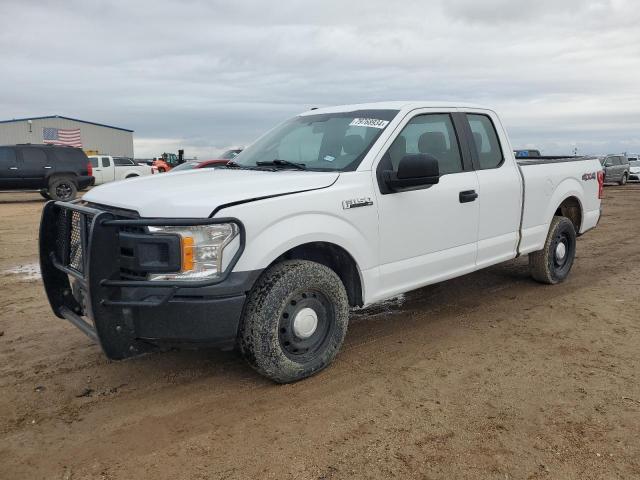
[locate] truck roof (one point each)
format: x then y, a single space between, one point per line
396 105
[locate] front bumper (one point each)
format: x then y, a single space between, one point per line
88 280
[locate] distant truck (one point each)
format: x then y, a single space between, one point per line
108 169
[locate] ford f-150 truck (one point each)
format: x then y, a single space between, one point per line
336 208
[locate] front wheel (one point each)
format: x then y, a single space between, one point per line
623 180
553 263
295 321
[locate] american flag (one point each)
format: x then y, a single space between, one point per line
62 136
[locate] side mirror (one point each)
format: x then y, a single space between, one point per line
413 171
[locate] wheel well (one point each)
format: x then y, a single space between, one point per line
334 257
571 208
131 175
55 176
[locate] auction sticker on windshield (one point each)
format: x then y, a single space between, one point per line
369 122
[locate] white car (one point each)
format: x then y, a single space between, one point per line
108 169
634 168
335 208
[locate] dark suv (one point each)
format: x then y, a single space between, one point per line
616 169
57 172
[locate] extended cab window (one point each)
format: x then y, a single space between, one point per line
431 134
485 140
94 162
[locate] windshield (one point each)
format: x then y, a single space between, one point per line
185 166
230 154
322 142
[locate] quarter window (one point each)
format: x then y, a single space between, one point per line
430 134
485 140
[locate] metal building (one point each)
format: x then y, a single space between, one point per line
58 130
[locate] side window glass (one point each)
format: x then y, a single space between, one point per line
7 157
430 134
106 162
485 140
94 162
34 157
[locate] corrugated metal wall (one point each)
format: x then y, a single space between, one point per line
108 141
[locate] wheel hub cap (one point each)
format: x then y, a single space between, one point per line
305 323
561 251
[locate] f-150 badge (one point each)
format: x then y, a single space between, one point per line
357 202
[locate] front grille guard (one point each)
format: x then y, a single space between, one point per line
81 242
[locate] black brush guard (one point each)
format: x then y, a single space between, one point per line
80 262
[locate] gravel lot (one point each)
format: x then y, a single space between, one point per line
486 376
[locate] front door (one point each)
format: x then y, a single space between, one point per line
428 234
9 169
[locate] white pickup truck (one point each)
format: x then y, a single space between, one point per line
108 169
336 208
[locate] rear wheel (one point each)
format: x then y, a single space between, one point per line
295 321
553 263
62 189
623 180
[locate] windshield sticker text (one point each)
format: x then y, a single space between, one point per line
369 122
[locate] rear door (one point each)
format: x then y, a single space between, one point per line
499 188
9 169
430 233
35 166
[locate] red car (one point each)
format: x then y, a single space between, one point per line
190 165
223 160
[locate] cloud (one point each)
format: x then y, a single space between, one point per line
208 74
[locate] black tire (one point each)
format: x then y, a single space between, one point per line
45 194
553 263
62 189
277 311
623 180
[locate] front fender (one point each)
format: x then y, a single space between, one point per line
263 247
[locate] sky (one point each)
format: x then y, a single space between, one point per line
204 75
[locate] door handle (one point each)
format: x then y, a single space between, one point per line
13 168
468 196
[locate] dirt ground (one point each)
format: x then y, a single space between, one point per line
488 376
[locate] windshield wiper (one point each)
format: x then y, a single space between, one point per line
282 163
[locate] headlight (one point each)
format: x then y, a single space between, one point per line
204 249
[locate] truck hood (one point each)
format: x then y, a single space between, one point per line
197 193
